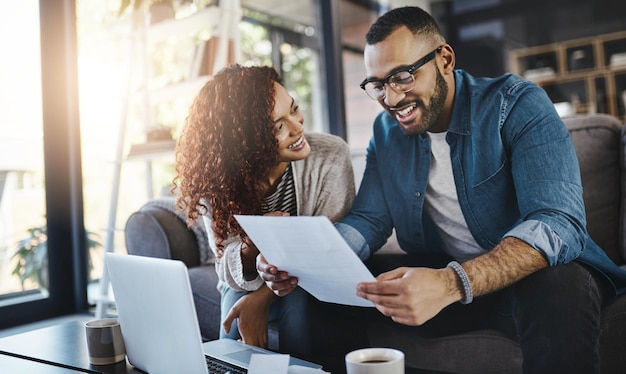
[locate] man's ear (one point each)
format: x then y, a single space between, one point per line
449 58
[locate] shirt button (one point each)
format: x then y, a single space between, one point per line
418 194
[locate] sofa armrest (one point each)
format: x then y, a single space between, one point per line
155 231
596 139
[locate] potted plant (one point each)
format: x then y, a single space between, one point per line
32 256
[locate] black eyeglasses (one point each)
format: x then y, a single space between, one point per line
401 81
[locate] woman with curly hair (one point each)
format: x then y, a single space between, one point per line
243 151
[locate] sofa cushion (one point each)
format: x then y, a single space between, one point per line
461 353
206 298
613 338
597 142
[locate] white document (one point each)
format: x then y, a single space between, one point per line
278 364
311 249
268 364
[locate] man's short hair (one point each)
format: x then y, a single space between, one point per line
415 19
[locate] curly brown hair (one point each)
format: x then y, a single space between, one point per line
227 148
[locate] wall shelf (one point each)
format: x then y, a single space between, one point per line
184 27
587 73
151 150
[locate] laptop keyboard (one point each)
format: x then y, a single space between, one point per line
216 366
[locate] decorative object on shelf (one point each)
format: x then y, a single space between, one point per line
136 4
159 133
618 59
564 109
158 10
159 142
580 58
539 73
203 63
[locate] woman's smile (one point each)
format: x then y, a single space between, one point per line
298 145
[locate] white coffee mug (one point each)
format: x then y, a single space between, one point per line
375 361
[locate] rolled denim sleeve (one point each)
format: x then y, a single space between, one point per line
355 240
541 237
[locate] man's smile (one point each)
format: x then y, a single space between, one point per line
407 113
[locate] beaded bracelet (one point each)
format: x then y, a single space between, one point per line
467 288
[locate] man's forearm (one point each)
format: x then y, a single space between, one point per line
507 263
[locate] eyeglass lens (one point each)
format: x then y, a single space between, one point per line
402 81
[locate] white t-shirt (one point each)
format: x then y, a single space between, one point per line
442 203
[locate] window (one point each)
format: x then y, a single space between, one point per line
38 126
23 255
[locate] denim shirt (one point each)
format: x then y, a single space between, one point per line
515 171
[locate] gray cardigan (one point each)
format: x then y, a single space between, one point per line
324 184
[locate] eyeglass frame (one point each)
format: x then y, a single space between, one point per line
411 69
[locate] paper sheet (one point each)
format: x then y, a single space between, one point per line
277 364
269 364
311 249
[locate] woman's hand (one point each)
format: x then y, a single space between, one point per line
251 311
276 280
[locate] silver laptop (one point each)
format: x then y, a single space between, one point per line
159 323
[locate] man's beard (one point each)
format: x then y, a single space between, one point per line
430 113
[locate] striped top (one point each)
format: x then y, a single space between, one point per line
284 198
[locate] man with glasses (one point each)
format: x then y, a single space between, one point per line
480 181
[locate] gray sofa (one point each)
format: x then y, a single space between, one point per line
600 140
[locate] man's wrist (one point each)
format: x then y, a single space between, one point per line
464 282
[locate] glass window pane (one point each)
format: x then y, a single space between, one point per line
360 109
301 78
23 252
292 36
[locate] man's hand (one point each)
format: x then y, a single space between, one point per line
278 281
252 311
412 296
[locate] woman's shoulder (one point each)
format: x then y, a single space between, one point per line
327 151
325 142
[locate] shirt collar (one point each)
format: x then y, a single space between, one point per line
461 109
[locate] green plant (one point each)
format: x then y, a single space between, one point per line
32 256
